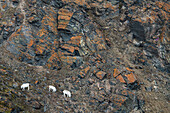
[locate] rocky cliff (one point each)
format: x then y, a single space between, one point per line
113 55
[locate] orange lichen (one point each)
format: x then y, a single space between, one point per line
39 49
98 61
75 40
94 71
109 5
165 15
4 6
2 70
53 56
94 4
62 24
36 81
142 60
121 99
99 56
31 18
116 72
64 17
41 40
133 7
68 47
129 69
52 61
120 78
50 11
118 99
79 2
139 20
65 12
81 73
42 32
100 74
50 21
73 78
166 7
68 59
31 43
124 92
162 34
144 8
87 69
131 78
159 4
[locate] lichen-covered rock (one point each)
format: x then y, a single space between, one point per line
128 77
100 74
100 50
55 37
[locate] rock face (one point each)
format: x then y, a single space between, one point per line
97 49
52 36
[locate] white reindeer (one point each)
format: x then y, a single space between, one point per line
66 92
52 88
25 85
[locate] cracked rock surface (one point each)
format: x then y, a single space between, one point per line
112 55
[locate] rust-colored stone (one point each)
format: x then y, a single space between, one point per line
82 74
64 18
79 2
159 4
87 69
129 69
166 7
162 34
124 92
116 72
109 5
75 40
69 48
100 74
120 78
39 49
118 98
4 6
131 78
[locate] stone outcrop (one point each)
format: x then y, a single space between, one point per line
96 47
